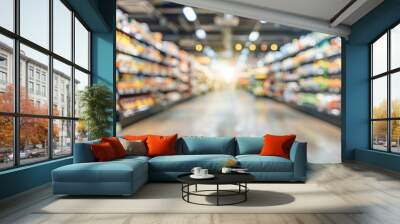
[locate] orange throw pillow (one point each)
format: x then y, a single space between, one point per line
277 145
103 152
161 145
116 145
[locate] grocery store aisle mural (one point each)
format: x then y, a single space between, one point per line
222 75
238 113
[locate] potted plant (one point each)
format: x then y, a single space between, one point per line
96 103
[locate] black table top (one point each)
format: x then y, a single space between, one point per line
220 178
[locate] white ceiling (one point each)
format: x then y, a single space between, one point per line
314 15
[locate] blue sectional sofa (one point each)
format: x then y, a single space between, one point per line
125 176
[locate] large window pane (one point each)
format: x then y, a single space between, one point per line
62 89
34 96
34 21
379 97
379 55
395 47
62 29
81 82
6 74
81 45
7 14
395 135
6 142
33 139
395 94
62 138
379 135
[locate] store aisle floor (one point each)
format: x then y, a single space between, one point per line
237 113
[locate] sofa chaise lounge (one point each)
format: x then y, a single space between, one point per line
125 176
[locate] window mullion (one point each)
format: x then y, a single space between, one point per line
16 84
389 101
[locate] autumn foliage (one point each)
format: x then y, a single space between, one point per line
33 131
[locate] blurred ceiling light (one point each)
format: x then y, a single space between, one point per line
264 46
263 21
252 47
199 47
238 46
274 46
254 36
201 34
189 13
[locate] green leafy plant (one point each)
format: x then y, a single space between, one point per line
96 102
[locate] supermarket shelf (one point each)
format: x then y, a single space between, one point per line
155 75
311 110
149 112
141 93
334 56
148 44
145 59
317 91
297 52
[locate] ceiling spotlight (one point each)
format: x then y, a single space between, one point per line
263 21
274 46
238 46
201 34
254 35
264 46
198 47
252 47
189 13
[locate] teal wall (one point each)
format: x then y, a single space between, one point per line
355 50
99 16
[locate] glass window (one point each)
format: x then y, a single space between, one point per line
62 138
384 81
35 143
81 45
62 29
35 21
379 97
7 14
7 75
40 62
395 136
379 135
81 131
33 139
395 47
395 95
6 142
62 71
379 55
81 82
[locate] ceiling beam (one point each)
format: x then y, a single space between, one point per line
267 14
347 11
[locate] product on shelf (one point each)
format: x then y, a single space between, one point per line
305 72
150 72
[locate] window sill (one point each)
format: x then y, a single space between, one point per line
30 166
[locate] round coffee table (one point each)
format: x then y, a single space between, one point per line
238 179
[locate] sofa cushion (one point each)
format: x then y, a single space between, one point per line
112 171
191 145
249 145
83 152
103 152
185 163
275 145
159 145
257 163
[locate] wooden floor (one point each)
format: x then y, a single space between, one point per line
377 190
237 113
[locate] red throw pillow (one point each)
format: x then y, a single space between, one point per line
277 145
116 145
161 145
103 152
